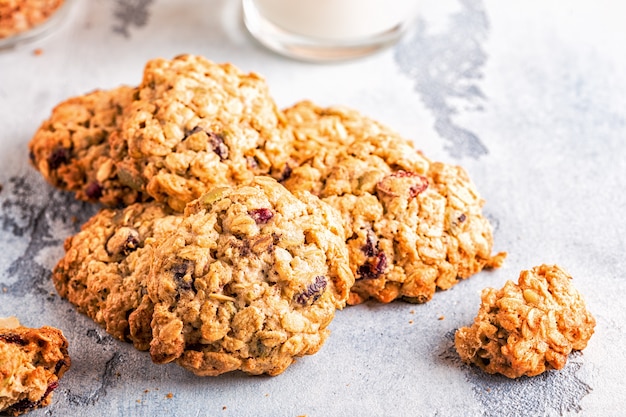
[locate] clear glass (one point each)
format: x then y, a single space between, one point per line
327 30
38 31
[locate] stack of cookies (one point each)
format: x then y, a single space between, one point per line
234 230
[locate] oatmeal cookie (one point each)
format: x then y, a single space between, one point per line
71 148
413 226
105 266
249 281
31 363
18 16
196 124
529 327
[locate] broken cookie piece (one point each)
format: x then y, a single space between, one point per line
529 327
31 363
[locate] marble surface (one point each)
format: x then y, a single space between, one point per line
527 96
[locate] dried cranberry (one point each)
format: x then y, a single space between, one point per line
13 338
374 267
93 190
420 183
287 171
369 249
219 147
23 406
58 157
180 270
419 187
313 291
51 387
261 215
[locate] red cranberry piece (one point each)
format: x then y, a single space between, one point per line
418 184
219 147
374 267
369 249
93 190
313 291
58 157
261 215
13 338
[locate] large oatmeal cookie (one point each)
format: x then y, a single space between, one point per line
196 124
31 363
249 281
529 327
105 266
71 148
412 225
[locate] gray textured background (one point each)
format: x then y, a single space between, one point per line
527 96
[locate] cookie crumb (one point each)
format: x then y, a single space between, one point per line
38 52
224 408
441 317
410 321
169 395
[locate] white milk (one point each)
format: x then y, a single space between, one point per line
338 20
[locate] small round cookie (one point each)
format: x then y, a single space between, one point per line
71 148
412 225
197 124
249 281
105 266
529 327
31 363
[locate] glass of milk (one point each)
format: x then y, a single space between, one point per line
327 30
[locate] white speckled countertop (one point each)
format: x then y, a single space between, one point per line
527 96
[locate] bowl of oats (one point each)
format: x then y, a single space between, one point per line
25 20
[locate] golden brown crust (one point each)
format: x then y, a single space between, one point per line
529 327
